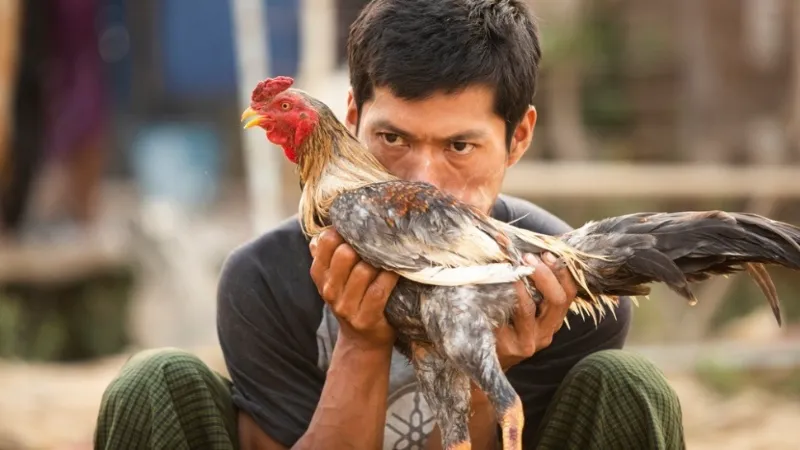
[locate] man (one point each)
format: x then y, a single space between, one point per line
441 92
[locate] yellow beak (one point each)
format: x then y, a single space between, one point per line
254 121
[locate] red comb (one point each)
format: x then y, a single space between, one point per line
271 87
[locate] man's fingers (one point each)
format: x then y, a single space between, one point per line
327 242
348 302
539 299
568 285
525 308
556 302
359 280
322 248
342 263
525 312
378 292
312 246
563 274
545 281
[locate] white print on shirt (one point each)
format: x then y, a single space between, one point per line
409 421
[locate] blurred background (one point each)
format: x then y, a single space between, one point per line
125 180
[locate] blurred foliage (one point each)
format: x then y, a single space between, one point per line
79 320
729 381
722 380
606 107
744 297
596 47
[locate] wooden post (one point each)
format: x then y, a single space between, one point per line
318 43
9 26
564 78
698 124
794 98
262 159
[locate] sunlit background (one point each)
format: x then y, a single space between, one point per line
125 180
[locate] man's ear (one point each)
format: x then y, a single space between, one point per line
351 118
521 139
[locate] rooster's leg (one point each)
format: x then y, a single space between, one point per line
458 326
446 390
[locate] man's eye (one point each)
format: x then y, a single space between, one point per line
391 138
462 147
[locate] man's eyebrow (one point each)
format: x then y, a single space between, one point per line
390 127
466 135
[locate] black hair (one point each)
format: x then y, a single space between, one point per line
419 47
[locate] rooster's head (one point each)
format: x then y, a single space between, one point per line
287 115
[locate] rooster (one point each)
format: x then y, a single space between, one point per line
459 266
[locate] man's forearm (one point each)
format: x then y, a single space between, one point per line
351 413
482 426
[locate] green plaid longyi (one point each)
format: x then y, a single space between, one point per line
170 400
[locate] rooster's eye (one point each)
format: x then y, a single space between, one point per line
285 106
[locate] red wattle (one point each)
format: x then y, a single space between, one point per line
291 155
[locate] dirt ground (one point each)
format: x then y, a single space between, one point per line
54 407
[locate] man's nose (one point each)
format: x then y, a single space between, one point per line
424 168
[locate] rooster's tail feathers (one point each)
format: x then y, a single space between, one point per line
631 251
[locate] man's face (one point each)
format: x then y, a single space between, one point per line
454 141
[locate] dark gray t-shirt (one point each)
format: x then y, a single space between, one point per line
277 336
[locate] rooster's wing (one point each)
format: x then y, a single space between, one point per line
425 235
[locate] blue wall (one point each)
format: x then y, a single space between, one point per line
197 43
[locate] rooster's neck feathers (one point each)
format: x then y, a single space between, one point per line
332 161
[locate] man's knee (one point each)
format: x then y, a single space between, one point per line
622 368
127 407
149 371
614 399
160 391
153 361
625 377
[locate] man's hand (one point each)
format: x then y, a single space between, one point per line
355 291
530 333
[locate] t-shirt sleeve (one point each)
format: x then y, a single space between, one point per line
274 380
